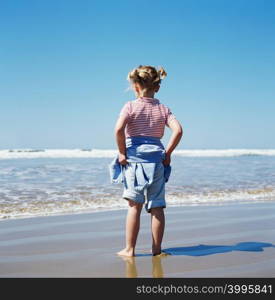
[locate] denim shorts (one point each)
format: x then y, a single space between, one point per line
153 195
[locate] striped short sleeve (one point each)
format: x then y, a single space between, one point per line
125 111
169 116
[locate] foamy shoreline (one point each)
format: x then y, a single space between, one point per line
110 153
80 210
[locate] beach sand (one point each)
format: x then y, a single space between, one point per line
234 240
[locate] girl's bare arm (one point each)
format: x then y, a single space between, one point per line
175 138
120 139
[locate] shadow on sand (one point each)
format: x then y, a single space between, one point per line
202 250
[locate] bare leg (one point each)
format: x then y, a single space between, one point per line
132 228
157 224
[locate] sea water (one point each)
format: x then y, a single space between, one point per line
40 182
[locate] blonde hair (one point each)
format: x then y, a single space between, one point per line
147 77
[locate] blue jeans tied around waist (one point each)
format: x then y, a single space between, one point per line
144 149
144 176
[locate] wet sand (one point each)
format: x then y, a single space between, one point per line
203 241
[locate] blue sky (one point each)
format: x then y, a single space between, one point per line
63 68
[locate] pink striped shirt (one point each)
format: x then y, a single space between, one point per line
146 117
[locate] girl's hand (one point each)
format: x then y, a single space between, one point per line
167 159
122 159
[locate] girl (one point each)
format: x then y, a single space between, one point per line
144 159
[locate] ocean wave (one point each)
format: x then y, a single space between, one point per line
225 152
110 153
86 202
222 196
57 153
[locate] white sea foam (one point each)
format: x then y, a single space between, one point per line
105 153
225 152
56 153
68 204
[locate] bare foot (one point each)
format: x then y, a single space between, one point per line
159 253
126 252
156 251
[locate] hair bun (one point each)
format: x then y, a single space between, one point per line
162 73
143 74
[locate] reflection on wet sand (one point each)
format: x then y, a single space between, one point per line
157 271
131 268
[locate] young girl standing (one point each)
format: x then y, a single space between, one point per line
145 161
